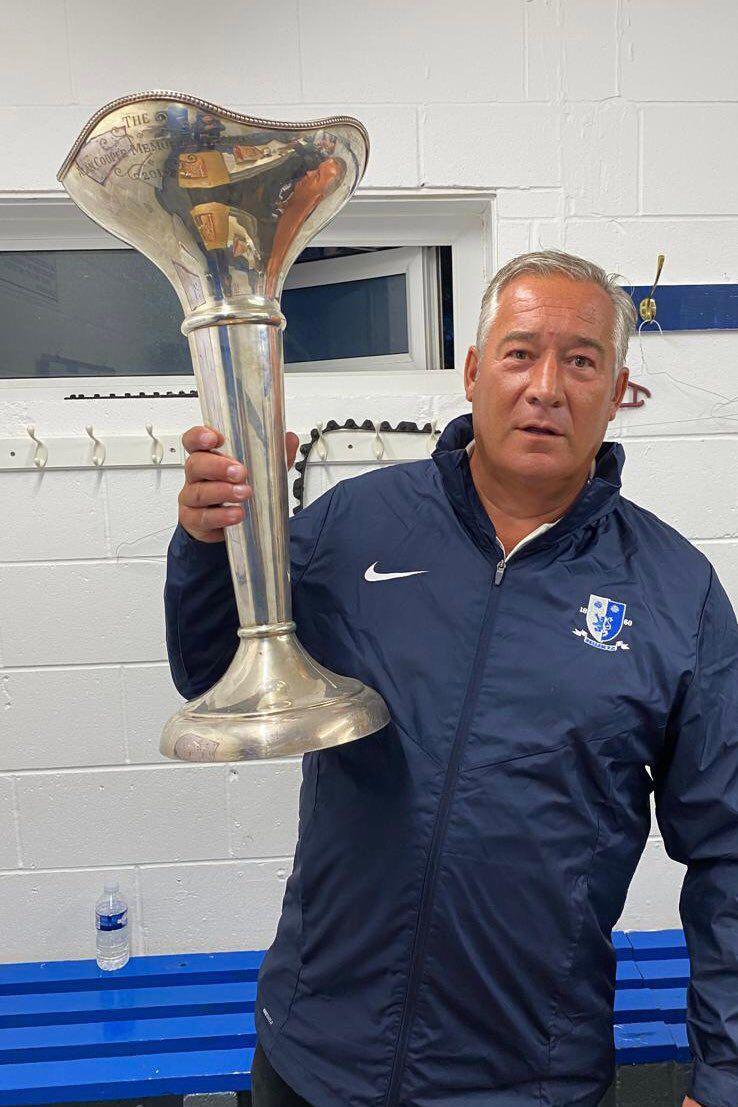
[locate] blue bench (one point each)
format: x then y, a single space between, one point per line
184 1024
652 975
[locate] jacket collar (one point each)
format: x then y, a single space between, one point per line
596 498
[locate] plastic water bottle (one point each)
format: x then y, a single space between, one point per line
111 922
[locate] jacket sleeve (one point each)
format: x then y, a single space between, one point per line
696 799
201 618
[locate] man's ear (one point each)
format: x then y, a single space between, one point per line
471 368
619 391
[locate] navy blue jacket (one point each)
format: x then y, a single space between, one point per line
445 937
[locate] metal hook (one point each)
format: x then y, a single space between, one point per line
98 452
377 443
320 445
431 439
41 453
647 306
157 450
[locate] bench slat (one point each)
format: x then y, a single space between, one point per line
660 1004
670 973
144 1075
636 1005
623 948
627 975
643 1042
27 1044
673 1004
145 972
648 945
142 1003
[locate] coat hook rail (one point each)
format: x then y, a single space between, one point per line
92 450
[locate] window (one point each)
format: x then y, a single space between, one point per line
371 308
377 299
108 313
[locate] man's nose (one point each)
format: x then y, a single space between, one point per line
545 383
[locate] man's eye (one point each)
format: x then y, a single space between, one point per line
515 353
582 361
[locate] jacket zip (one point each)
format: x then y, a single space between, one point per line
431 873
503 562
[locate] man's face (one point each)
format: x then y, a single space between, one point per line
548 358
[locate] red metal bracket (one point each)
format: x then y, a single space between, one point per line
635 389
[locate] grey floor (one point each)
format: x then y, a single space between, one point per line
658 1085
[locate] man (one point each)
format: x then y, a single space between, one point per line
546 647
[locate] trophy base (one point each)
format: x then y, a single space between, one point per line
274 700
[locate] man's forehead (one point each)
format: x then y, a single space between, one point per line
556 296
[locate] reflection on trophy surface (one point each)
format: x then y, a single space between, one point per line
223 204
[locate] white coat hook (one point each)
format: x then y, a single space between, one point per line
98 451
320 445
41 454
432 437
157 450
377 443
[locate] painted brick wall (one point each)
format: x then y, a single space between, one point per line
604 127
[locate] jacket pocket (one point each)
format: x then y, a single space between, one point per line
579 903
359 856
580 1037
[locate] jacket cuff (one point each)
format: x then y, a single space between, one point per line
183 546
713 1087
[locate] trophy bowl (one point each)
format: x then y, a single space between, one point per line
223 203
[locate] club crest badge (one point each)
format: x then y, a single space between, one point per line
605 619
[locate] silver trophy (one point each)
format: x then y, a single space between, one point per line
223 203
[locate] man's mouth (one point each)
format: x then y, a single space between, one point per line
540 431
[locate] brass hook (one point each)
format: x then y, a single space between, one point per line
647 306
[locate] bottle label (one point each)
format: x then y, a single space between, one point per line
113 922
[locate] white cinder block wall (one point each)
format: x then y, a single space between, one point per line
605 127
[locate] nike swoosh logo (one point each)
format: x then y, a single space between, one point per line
371 574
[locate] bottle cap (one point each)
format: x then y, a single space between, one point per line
111 885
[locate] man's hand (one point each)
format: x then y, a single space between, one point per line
213 480
690 1102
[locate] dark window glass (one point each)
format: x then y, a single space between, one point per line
447 305
361 318
88 313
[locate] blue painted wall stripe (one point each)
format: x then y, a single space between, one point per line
691 307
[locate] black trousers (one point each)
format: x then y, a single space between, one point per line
268 1089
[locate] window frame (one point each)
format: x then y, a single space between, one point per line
410 262
463 219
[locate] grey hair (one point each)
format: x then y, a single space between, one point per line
544 263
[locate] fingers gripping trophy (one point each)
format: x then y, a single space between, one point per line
223 204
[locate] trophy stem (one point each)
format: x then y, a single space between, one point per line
274 700
238 369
